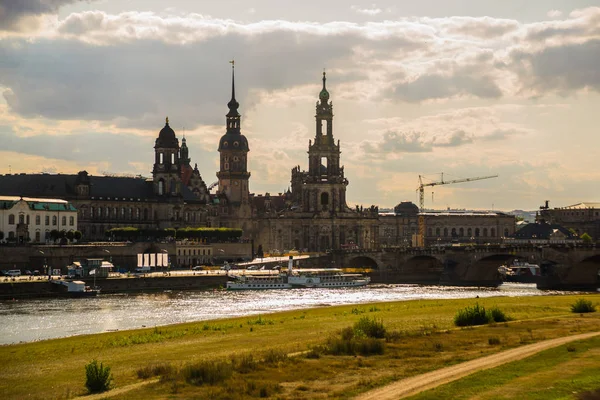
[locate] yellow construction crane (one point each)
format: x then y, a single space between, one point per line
421 188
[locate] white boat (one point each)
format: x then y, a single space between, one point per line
307 278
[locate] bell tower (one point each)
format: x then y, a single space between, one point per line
167 167
233 154
325 187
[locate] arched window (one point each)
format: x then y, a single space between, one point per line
469 232
485 232
476 232
137 213
122 212
493 232
99 212
21 218
47 218
173 186
324 200
161 187
130 213
11 219
115 212
445 232
54 220
71 221
461 232
505 232
161 158
145 214
92 209
38 220
453 232
107 212
64 221
437 232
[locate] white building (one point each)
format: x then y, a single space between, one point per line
31 219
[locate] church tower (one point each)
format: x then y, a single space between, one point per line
233 153
325 186
167 167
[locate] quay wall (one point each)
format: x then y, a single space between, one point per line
43 288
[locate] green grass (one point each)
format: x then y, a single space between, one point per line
559 373
420 336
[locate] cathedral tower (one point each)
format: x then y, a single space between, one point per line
325 186
167 167
233 153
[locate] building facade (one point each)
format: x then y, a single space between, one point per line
24 219
440 228
581 218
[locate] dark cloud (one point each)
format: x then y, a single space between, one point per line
145 80
438 86
561 68
13 11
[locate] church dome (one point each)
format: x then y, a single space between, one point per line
166 137
406 208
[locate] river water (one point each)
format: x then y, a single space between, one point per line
39 319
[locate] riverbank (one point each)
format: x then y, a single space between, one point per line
427 341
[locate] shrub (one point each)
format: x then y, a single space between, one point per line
156 370
364 346
471 316
493 341
583 306
207 372
243 363
97 377
497 315
370 328
273 356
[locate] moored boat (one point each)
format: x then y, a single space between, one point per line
307 278
520 271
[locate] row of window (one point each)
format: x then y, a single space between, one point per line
192 252
131 213
460 232
24 219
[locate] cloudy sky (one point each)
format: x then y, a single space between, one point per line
468 88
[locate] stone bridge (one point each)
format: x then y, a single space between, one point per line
563 267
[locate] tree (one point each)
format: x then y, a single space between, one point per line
586 238
77 235
70 235
54 234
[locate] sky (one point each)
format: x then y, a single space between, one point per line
469 88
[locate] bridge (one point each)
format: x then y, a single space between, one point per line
563 266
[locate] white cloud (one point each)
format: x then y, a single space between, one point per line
367 11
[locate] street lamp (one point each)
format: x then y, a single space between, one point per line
46 266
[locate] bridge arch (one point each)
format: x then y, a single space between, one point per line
363 262
423 264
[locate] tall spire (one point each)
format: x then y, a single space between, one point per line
233 116
324 95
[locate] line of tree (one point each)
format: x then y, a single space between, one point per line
209 235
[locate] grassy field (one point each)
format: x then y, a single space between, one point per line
423 338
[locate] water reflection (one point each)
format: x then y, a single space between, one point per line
30 320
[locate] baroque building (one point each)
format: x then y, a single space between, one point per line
312 215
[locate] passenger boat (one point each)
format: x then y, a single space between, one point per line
519 271
307 278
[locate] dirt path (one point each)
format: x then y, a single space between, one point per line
411 386
118 391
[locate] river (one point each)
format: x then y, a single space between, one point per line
40 319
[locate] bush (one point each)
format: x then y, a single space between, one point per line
493 341
370 328
498 315
156 370
97 377
471 316
583 306
207 372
